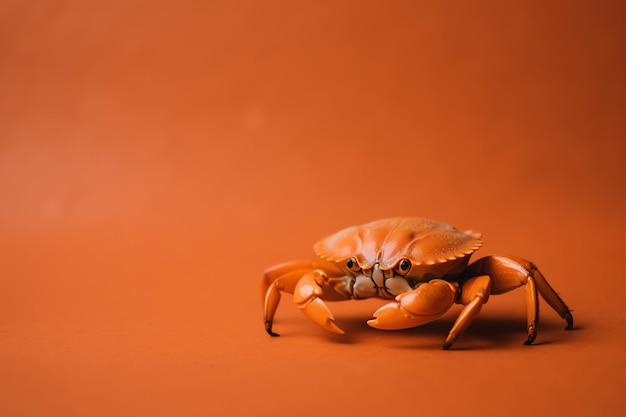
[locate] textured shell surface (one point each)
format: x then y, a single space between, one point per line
387 241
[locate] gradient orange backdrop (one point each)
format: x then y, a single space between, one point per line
156 157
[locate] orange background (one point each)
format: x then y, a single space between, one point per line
156 157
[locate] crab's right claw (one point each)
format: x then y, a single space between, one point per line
422 305
307 297
317 311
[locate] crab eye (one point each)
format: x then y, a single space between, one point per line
353 265
403 266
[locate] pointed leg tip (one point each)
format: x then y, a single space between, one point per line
530 340
570 321
268 329
448 343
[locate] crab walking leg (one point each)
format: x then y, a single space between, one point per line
475 293
508 273
270 305
532 309
551 296
282 277
413 308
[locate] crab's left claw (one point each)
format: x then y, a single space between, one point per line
393 316
307 296
422 305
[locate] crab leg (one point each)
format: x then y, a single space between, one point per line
282 277
508 273
475 293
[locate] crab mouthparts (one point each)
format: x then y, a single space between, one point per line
379 283
378 276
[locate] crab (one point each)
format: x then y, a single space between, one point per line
422 265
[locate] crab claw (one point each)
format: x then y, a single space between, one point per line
317 311
307 297
413 308
393 317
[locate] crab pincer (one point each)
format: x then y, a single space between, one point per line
307 296
426 303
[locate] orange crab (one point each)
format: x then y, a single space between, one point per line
421 264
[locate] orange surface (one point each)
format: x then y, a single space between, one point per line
156 157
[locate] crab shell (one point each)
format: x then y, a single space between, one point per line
386 242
